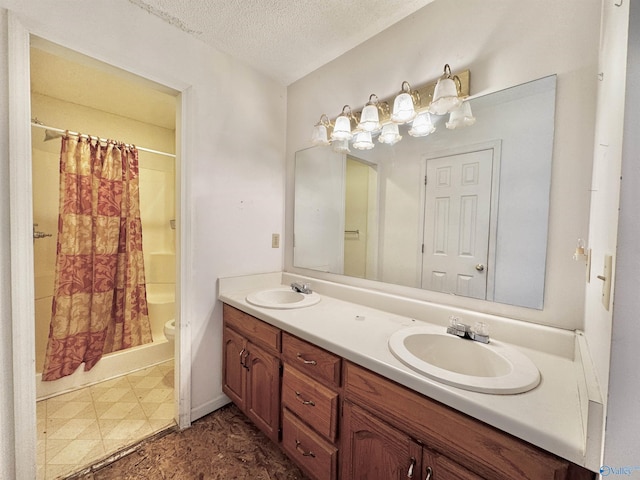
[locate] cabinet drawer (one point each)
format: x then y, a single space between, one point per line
259 332
313 402
312 360
315 456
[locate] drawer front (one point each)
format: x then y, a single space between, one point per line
318 458
259 332
312 360
311 401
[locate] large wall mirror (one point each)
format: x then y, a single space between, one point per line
461 211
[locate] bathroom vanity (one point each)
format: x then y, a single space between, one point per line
321 381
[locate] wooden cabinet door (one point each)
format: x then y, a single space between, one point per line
234 374
263 390
373 450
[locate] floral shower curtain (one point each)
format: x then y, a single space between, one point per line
100 302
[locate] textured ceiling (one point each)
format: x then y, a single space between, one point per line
286 39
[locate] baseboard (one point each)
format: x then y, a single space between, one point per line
208 407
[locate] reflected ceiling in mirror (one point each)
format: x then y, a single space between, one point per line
461 211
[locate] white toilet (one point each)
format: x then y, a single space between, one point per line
170 330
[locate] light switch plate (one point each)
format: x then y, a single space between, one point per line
606 283
275 240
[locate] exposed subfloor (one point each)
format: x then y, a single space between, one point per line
222 445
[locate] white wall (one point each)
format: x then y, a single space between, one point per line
235 168
7 466
622 442
503 43
606 179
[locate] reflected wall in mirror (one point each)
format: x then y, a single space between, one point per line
461 211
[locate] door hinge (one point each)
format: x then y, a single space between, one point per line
425 179
422 248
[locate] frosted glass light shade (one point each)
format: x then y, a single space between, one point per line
390 134
461 117
422 125
369 119
362 141
342 129
340 146
319 136
403 109
445 97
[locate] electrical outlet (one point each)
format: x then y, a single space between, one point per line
275 240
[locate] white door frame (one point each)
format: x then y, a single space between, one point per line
21 220
496 146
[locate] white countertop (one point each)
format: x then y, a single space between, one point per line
551 416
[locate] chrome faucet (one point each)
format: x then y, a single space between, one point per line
301 287
479 333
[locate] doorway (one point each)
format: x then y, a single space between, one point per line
360 220
129 394
457 212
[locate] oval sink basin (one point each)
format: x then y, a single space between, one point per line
486 368
282 298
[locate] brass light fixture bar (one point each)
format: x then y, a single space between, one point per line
415 106
425 95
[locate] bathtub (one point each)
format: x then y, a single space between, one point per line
161 303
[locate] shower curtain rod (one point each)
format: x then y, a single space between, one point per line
75 134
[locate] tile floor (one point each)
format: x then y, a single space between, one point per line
78 428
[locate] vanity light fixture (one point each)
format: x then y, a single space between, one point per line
390 134
370 116
461 117
404 105
321 129
409 106
362 141
340 146
342 127
422 125
446 95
